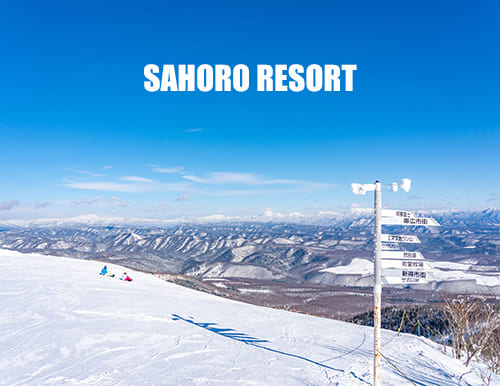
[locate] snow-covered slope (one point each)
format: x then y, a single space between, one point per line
63 323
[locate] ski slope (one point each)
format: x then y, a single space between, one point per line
63 323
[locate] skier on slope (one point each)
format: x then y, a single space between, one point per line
125 277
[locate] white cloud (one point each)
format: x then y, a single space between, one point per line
173 170
193 130
240 192
8 205
85 201
130 184
98 201
136 179
162 206
226 178
90 174
184 197
41 205
250 179
109 187
240 184
119 202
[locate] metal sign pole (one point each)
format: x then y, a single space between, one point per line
377 288
416 274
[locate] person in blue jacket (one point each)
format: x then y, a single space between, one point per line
104 271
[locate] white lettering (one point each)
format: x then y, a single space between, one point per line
186 77
205 77
348 69
314 75
298 83
241 78
168 79
154 83
332 74
264 77
280 77
222 77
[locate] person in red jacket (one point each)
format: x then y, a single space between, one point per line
125 277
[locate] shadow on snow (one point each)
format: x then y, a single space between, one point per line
255 342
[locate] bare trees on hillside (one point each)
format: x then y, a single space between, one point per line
474 325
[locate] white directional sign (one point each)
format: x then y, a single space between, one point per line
390 247
416 221
397 213
404 276
401 255
400 239
415 265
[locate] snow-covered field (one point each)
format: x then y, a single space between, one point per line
457 271
63 323
356 267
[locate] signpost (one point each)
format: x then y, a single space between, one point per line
397 213
416 221
377 289
407 277
390 247
388 265
397 267
401 255
400 239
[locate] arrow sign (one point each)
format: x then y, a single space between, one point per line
417 221
397 213
405 276
401 255
413 265
400 239
390 247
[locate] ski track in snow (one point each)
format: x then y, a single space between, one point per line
62 323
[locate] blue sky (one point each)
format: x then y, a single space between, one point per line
79 134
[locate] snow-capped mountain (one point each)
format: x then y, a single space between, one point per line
358 216
273 250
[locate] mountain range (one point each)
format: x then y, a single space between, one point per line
289 248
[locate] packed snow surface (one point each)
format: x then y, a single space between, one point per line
486 279
355 267
63 323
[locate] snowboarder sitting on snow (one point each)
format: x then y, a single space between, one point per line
125 277
105 272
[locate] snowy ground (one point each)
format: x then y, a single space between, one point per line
62 323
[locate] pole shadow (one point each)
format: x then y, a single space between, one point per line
255 342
